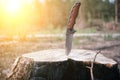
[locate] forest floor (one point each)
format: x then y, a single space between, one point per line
11 49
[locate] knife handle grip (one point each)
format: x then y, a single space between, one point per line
73 15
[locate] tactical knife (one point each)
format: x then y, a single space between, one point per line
70 26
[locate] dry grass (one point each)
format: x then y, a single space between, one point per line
9 50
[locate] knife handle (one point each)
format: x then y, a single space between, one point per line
73 15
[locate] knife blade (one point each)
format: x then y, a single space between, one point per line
70 27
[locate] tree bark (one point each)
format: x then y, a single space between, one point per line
116 11
21 69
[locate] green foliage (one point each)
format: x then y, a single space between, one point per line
97 9
108 37
87 30
117 38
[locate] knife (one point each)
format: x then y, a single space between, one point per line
70 26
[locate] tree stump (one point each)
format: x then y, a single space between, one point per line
54 64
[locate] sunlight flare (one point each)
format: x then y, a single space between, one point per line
42 1
12 6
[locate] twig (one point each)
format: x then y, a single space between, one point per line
92 65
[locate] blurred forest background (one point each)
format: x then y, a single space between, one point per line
42 16
97 27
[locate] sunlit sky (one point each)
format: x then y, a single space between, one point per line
12 6
13 13
111 0
42 1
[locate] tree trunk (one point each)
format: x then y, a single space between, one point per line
117 11
54 64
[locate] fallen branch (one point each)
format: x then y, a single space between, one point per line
92 65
